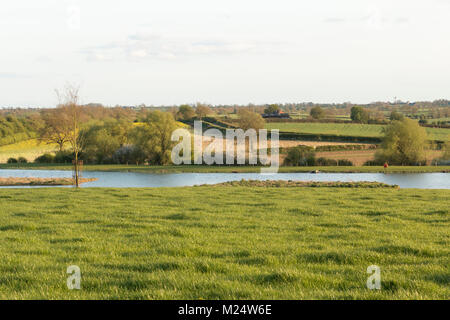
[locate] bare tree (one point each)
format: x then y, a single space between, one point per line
202 110
72 117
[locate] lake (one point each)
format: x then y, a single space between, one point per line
138 180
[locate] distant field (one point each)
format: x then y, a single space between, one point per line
357 157
348 129
29 149
224 243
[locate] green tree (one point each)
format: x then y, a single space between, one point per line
153 139
186 112
101 141
300 156
317 112
359 114
396 116
273 108
446 149
250 120
404 143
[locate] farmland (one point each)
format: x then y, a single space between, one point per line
29 149
348 129
225 242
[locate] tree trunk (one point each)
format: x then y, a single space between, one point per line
77 184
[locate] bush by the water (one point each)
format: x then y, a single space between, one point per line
300 156
403 143
45 158
305 156
18 160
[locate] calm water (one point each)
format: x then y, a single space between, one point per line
129 179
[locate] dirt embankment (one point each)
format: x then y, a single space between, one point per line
40 181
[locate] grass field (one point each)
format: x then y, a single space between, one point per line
29 149
348 129
224 242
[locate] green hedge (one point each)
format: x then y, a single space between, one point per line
327 137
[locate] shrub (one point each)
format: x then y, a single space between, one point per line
317 112
345 147
344 162
63 157
127 154
300 156
12 160
45 158
359 115
326 162
374 163
22 160
403 144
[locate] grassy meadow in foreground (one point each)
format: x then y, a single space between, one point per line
224 242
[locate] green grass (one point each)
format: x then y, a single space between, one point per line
224 243
224 169
348 129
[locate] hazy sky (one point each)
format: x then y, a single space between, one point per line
234 51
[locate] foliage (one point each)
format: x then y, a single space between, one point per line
396 116
104 139
64 156
45 158
56 128
128 154
359 115
403 144
185 112
317 112
345 147
300 156
344 162
14 129
273 108
325 162
22 160
153 140
250 120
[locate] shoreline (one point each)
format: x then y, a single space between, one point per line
22 182
228 169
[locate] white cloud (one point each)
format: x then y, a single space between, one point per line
152 46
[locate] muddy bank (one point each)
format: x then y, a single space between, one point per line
40 181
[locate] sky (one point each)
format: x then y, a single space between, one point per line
224 52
